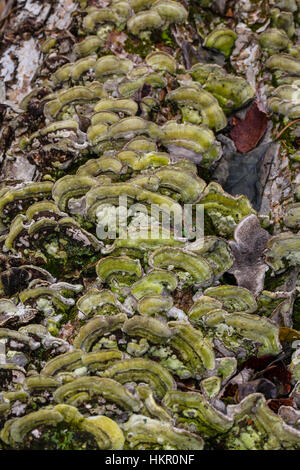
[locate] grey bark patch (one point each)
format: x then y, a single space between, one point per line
247 174
250 241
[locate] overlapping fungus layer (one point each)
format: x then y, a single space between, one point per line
133 342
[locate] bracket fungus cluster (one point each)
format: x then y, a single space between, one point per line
129 340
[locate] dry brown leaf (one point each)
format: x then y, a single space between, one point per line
288 335
247 132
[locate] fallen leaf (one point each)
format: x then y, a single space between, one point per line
278 373
288 335
231 392
258 363
262 385
278 402
247 132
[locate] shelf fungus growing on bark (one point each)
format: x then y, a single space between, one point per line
146 433
102 431
221 39
283 251
274 40
143 306
285 100
199 99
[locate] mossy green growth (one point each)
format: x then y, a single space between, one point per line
138 46
68 257
167 38
62 437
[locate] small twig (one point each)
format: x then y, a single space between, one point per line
280 357
286 127
6 10
181 385
9 9
70 35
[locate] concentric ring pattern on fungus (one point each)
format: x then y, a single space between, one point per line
174 341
